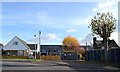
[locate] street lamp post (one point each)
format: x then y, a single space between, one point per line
86 45
39 43
35 46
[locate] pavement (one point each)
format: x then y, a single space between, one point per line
84 65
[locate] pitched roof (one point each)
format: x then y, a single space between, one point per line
32 46
24 43
1 45
99 42
111 43
20 40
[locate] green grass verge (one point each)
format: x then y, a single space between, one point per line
37 60
32 60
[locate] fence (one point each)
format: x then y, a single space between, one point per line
113 55
15 57
48 57
70 56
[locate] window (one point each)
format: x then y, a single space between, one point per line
15 43
20 53
44 50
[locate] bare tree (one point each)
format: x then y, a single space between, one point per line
103 25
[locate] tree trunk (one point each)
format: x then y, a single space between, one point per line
105 49
105 42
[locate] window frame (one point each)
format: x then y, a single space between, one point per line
15 43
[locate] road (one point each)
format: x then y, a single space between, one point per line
18 65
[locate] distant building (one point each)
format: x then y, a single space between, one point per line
1 45
98 44
18 47
1 48
48 49
88 47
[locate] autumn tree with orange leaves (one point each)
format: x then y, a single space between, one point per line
71 43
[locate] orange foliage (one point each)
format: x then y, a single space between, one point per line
80 50
70 42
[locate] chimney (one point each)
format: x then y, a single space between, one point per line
94 39
94 43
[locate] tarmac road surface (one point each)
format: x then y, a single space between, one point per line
49 66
